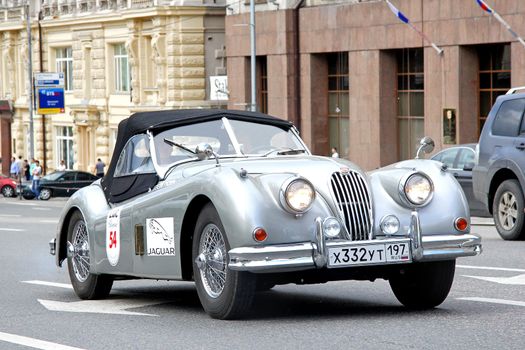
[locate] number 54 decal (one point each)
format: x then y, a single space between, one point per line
113 236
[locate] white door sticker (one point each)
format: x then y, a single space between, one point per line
113 236
160 237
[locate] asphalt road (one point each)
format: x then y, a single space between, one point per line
485 309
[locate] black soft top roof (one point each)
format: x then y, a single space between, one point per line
159 121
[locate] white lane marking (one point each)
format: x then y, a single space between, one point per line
106 306
33 343
23 203
490 268
10 215
50 284
495 301
45 209
48 221
518 280
12 229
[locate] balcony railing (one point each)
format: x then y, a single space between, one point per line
56 8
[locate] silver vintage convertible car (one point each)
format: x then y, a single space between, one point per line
236 202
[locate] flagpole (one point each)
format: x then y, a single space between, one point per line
506 25
500 19
405 20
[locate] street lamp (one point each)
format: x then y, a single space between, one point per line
30 81
253 56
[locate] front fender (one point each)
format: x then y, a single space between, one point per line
246 202
438 216
91 202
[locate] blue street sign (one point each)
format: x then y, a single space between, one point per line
50 100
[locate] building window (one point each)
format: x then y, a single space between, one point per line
338 102
494 77
262 84
64 64
64 145
411 100
122 76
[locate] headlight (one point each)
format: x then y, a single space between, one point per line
297 195
418 189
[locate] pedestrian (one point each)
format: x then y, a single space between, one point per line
27 174
61 166
20 174
99 168
37 173
32 166
15 168
335 154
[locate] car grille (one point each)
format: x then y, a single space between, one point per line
353 200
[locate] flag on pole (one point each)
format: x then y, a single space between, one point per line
405 20
500 19
398 13
484 6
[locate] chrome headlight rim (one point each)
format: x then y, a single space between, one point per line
403 192
284 198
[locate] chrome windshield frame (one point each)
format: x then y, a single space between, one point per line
163 170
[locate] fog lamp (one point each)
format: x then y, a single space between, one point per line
389 225
331 227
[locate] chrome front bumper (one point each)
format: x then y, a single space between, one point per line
306 255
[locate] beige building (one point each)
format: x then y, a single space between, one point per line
353 76
117 56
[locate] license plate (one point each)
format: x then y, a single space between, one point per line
370 254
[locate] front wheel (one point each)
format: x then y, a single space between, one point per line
85 284
45 194
8 191
423 285
224 293
507 211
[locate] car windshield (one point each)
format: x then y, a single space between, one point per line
228 138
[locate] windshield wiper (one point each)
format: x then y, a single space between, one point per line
283 151
171 143
291 151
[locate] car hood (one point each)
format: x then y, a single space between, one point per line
316 169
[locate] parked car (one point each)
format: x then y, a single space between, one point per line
499 176
64 183
236 202
460 161
7 186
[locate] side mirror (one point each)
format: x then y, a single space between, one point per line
426 145
204 151
469 166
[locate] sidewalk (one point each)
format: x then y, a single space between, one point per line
477 221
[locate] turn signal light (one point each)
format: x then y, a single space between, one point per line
461 224
259 234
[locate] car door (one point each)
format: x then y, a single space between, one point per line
64 184
83 180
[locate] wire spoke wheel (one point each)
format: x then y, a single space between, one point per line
80 253
86 284
212 254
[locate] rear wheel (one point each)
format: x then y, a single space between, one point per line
85 284
507 211
224 293
8 191
45 194
424 285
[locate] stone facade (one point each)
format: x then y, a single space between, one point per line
297 37
165 42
